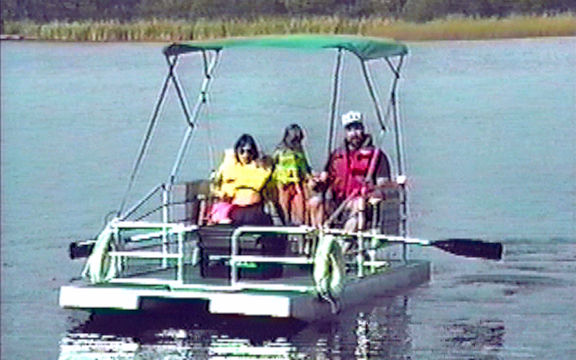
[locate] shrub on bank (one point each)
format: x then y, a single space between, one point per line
451 28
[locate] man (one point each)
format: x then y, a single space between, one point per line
355 171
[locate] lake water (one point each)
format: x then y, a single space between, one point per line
490 135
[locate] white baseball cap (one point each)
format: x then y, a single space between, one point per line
351 117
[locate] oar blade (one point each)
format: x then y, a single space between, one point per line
471 248
80 249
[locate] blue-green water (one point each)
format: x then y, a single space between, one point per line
490 137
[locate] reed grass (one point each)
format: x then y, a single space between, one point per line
452 28
462 28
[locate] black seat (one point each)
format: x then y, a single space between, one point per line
189 201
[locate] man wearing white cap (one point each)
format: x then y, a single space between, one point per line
355 169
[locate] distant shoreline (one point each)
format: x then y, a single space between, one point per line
452 28
4 37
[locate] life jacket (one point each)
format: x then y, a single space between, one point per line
240 182
352 170
290 166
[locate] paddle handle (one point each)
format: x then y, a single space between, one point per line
388 238
463 247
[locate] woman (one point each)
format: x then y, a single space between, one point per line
239 183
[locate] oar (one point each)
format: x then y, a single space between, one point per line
463 247
81 249
470 248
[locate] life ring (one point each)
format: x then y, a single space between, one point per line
329 270
100 266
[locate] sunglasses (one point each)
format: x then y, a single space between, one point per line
248 151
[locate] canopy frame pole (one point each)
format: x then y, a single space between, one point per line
395 69
182 98
210 139
134 208
399 152
373 95
149 131
392 88
335 100
395 117
201 101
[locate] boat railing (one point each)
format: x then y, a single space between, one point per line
169 238
177 245
166 242
236 258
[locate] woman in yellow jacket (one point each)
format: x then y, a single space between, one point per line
239 183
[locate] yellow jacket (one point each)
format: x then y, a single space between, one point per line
240 182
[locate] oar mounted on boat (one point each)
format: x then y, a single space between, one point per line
471 248
81 249
462 246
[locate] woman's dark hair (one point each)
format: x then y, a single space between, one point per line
244 140
293 136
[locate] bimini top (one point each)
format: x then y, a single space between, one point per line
366 48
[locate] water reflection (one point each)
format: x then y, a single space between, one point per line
481 335
482 339
97 346
377 331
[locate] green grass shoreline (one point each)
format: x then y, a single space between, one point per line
452 28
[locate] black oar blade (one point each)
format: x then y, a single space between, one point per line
471 248
80 249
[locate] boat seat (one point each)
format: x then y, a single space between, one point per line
189 202
387 215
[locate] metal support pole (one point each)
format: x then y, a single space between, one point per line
180 274
233 253
181 97
335 98
122 262
373 95
395 117
399 154
195 113
360 238
164 229
151 126
133 209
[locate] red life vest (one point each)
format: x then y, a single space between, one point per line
349 170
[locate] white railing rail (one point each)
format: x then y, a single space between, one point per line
236 258
166 230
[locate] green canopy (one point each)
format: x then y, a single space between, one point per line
366 48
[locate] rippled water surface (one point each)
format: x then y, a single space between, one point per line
490 136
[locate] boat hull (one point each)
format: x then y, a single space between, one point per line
247 302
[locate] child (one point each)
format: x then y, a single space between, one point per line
291 172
